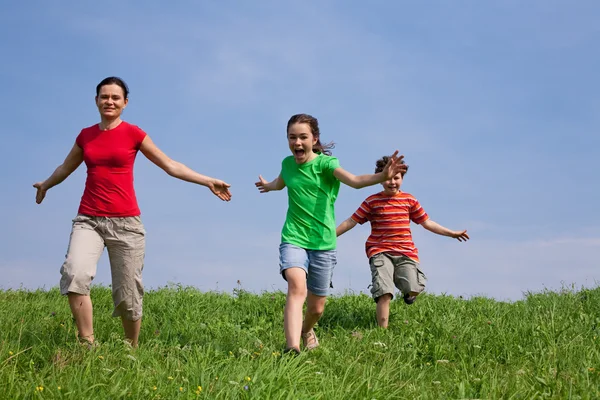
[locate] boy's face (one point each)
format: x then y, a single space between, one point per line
392 186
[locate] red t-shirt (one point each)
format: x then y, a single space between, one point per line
390 218
109 157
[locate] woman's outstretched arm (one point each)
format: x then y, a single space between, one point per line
73 160
180 171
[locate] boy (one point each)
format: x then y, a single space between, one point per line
393 257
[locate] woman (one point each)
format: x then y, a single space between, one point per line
108 213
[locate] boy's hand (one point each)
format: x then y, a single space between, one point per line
461 236
394 166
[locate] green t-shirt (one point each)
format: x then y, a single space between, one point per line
312 191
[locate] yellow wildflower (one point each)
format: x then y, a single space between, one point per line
199 388
101 357
154 388
39 388
58 388
248 379
181 388
10 353
170 378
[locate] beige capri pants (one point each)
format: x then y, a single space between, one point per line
125 239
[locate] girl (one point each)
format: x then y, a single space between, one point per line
307 252
108 213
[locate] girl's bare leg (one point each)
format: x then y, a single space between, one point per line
296 295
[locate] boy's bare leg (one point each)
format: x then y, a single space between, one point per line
132 330
292 315
81 307
383 310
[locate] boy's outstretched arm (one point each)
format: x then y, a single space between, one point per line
264 186
393 167
345 226
434 227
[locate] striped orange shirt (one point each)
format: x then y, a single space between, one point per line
390 218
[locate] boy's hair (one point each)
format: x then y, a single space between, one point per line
314 127
382 162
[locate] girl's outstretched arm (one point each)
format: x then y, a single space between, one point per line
434 227
180 171
73 160
264 186
345 226
391 169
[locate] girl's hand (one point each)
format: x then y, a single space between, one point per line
41 192
461 236
262 185
394 166
220 189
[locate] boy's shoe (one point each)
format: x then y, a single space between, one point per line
408 299
292 350
309 340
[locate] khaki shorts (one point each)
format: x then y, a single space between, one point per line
125 239
402 272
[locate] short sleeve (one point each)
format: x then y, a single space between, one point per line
417 213
79 139
330 165
363 213
138 135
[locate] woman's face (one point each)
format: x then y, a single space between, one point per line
111 101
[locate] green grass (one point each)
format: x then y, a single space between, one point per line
545 346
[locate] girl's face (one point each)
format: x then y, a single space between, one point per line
301 142
392 186
111 101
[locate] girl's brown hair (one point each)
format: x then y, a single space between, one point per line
314 127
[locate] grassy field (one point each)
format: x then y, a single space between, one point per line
228 346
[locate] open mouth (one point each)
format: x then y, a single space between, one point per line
299 153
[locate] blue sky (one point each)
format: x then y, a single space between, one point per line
494 105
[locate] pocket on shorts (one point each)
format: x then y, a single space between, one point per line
376 262
134 225
421 278
82 220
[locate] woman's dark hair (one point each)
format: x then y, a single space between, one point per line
382 162
113 80
314 127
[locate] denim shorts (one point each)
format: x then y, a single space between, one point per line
318 265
